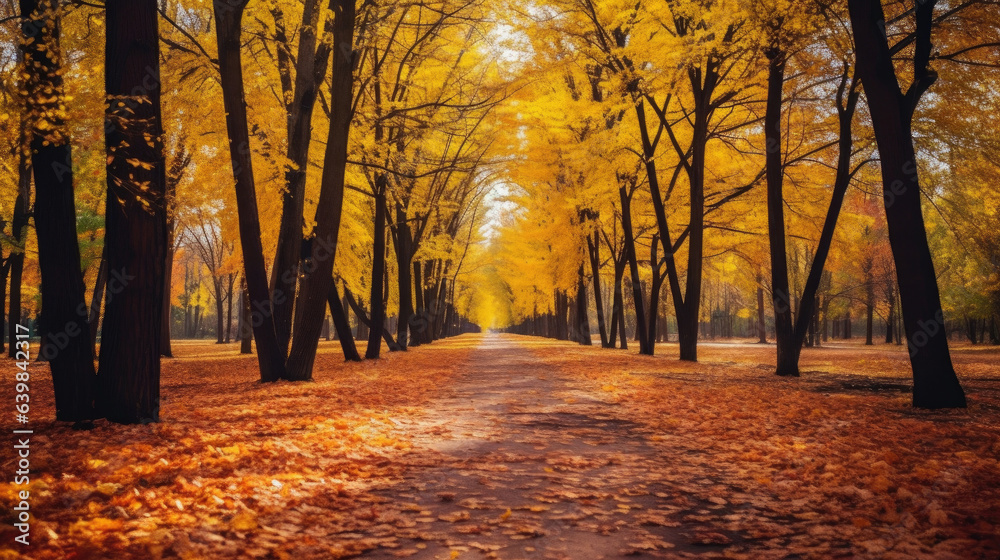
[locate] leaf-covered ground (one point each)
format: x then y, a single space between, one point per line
513 447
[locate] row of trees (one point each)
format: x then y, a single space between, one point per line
379 221
668 134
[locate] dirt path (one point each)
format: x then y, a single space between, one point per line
518 461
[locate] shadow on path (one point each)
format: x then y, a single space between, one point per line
517 461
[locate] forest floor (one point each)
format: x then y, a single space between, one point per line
498 446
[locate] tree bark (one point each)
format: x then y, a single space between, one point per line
869 312
20 232
100 286
761 319
891 319
630 256
419 318
315 286
310 68
618 307
270 356
378 273
582 326
594 248
788 363
364 322
342 325
63 319
220 314
935 384
136 223
246 330
404 257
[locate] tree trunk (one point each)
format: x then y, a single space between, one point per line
310 69
618 307
220 314
594 248
405 283
761 320
181 161
582 326
870 314
246 316
378 272
315 287
270 356
136 222
20 232
229 308
654 297
419 318
633 265
935 384
63 318
781 300
890 322
365 324
100 286
342 324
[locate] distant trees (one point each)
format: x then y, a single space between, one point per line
746 110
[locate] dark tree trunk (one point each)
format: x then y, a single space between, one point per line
63 318
365 324
686 305
654 297
935 384
430 292
846 100
869 312
618 307
229 308
136 222
814 329
441 307
270 356
100 286
315 287
761 320
594 248
220 314
310 69
378 272
246 314
419 319
781 300
342 324
405 283
633 265
181 160
16 258
582 326
890 321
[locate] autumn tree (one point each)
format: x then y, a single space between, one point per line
271 357
935 384
136 226
64 317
